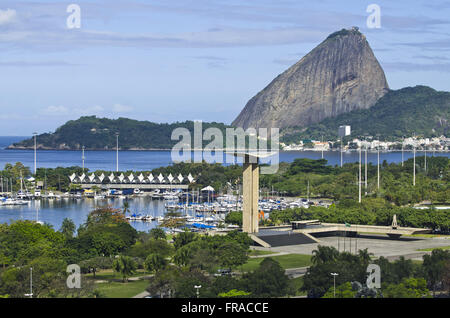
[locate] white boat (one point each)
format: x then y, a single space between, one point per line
171 197
11 201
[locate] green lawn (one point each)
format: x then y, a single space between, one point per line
286 261
427 235
122 290
111 275
435 248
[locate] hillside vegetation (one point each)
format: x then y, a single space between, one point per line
418 110
100 134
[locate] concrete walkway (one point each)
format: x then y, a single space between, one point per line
142 295
269 255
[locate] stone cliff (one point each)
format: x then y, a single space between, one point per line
338 76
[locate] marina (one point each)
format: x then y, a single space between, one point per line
146 210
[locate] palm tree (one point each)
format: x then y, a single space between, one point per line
182 256
124 265
364 255
324 254
155 262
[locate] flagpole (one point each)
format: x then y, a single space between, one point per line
378 169
359 183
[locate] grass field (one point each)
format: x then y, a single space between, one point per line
111 275
286 261
122 290
434 248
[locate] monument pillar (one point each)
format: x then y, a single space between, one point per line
250 184
250 215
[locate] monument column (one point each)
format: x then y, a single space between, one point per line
247 185
255 197
250 215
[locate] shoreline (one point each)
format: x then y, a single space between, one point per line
223 150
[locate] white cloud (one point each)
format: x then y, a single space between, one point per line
73 111
89 111
7 16
56 110
118 108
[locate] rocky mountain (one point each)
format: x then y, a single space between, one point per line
338 76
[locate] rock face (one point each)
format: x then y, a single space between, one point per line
338 76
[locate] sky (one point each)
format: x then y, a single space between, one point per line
177 60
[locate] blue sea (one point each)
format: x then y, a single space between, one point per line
148 160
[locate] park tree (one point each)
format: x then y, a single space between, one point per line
105 233
203 259
225 283
68 228
155 263
324 254
96 263
151 246
268 280
326 260
183 238
157 233
124 265
105 215
434 267
182 256
234 293
185 283
342 291
446 277
408 288
232 254
164 281
234 217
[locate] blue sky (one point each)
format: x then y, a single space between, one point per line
173 60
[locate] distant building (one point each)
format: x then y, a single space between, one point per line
321 145
344 131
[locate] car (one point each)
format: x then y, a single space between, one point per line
223 272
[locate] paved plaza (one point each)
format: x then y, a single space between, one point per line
379 245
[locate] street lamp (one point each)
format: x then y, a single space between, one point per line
82 156
334 282
34 134
31 284
117 152
198 290
359 183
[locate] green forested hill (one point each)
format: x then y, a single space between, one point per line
99 133
418 110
